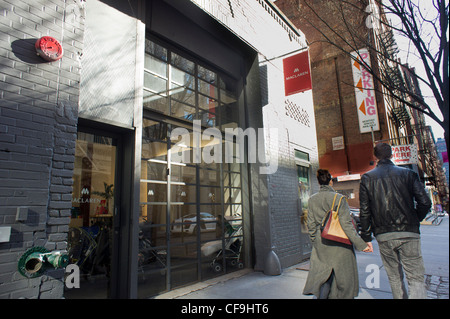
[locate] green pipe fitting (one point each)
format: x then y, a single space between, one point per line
36 260
34 263
57 259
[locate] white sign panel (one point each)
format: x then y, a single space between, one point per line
338 143
404 154
364 92
351 177
5 234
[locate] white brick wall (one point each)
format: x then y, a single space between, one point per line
293 134
257 24
293 116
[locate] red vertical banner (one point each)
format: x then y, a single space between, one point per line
297 74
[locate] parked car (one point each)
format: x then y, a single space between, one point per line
188 224
354 212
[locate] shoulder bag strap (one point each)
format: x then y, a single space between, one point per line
334 199
329 212
337 210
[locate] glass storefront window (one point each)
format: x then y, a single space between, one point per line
182 111
182 63
156 50
207 89
181 78
155 66
157 84
207 75
207 103
193 211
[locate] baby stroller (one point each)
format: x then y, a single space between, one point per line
88 248
149 254
231 252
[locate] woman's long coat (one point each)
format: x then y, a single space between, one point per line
328 256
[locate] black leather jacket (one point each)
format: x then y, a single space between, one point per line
386 195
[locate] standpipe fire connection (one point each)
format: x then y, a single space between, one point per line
35 261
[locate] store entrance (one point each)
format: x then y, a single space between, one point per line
94 215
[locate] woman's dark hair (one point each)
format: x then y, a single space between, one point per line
382 151
323 176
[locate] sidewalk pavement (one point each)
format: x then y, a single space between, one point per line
250 284
373 281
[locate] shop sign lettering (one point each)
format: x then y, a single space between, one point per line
81 200
404 154
297 74
364 92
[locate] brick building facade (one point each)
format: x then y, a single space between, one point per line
343 149
86 145
334 31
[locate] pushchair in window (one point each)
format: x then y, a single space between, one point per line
231 251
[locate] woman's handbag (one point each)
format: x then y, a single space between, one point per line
331 228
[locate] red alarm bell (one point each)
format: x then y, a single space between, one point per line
49 49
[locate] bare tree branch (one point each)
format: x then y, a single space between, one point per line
425 28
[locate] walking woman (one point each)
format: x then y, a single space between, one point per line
333 271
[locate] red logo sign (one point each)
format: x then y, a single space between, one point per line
297 74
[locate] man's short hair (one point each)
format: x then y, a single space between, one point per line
323 176
382 151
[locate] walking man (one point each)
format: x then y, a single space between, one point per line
393 201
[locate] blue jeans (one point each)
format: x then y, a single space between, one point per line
404 256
